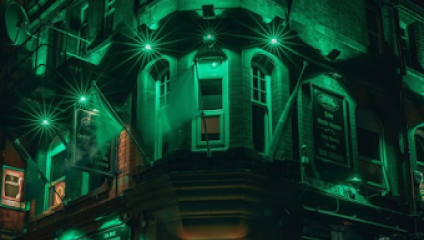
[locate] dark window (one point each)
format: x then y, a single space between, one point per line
375 31
211 94
258 127
369 134
58 166
368 143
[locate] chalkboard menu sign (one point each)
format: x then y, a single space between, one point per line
329 127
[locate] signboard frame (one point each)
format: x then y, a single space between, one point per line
346 126
26 204
113 145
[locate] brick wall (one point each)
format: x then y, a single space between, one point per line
327 25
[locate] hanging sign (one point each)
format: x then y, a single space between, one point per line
91 151
330 127
11 188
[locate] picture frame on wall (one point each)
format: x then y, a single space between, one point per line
12 188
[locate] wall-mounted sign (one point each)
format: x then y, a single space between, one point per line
92 151
330 127
118 233
12 185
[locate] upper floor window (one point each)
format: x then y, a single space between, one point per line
160 72
371 150
83 30
261 71
56 168
375 29
108 18
211 127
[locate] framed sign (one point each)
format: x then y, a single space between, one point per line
93 150
12 188
330 127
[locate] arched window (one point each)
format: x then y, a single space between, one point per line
371 149
261 71
55 173
160 72
211 93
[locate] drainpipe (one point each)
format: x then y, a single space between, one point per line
409 184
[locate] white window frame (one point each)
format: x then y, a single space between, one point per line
405 38
268 102
222 144
370 117
160 109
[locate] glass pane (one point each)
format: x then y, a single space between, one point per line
168 85
255 95
374 43
58 166
212 128
263 97
258 127
162 101
368 143
255 82
372 19
263 85
211 91
371 172
162 89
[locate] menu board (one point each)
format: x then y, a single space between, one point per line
12 186
329 127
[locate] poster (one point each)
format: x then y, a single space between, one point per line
330 127
58 194
12 186
94 148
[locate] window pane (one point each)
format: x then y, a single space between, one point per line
263 85
263 97
255 95
258 127
374 43
58 166
212 128
211 90
255 82
96 180
162 89
371 172
368 143
372 19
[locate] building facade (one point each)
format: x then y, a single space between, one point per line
253 119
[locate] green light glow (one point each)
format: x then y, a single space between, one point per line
111 223
274 41
148 47
83 99
45 122
209 36
214 64
71 234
